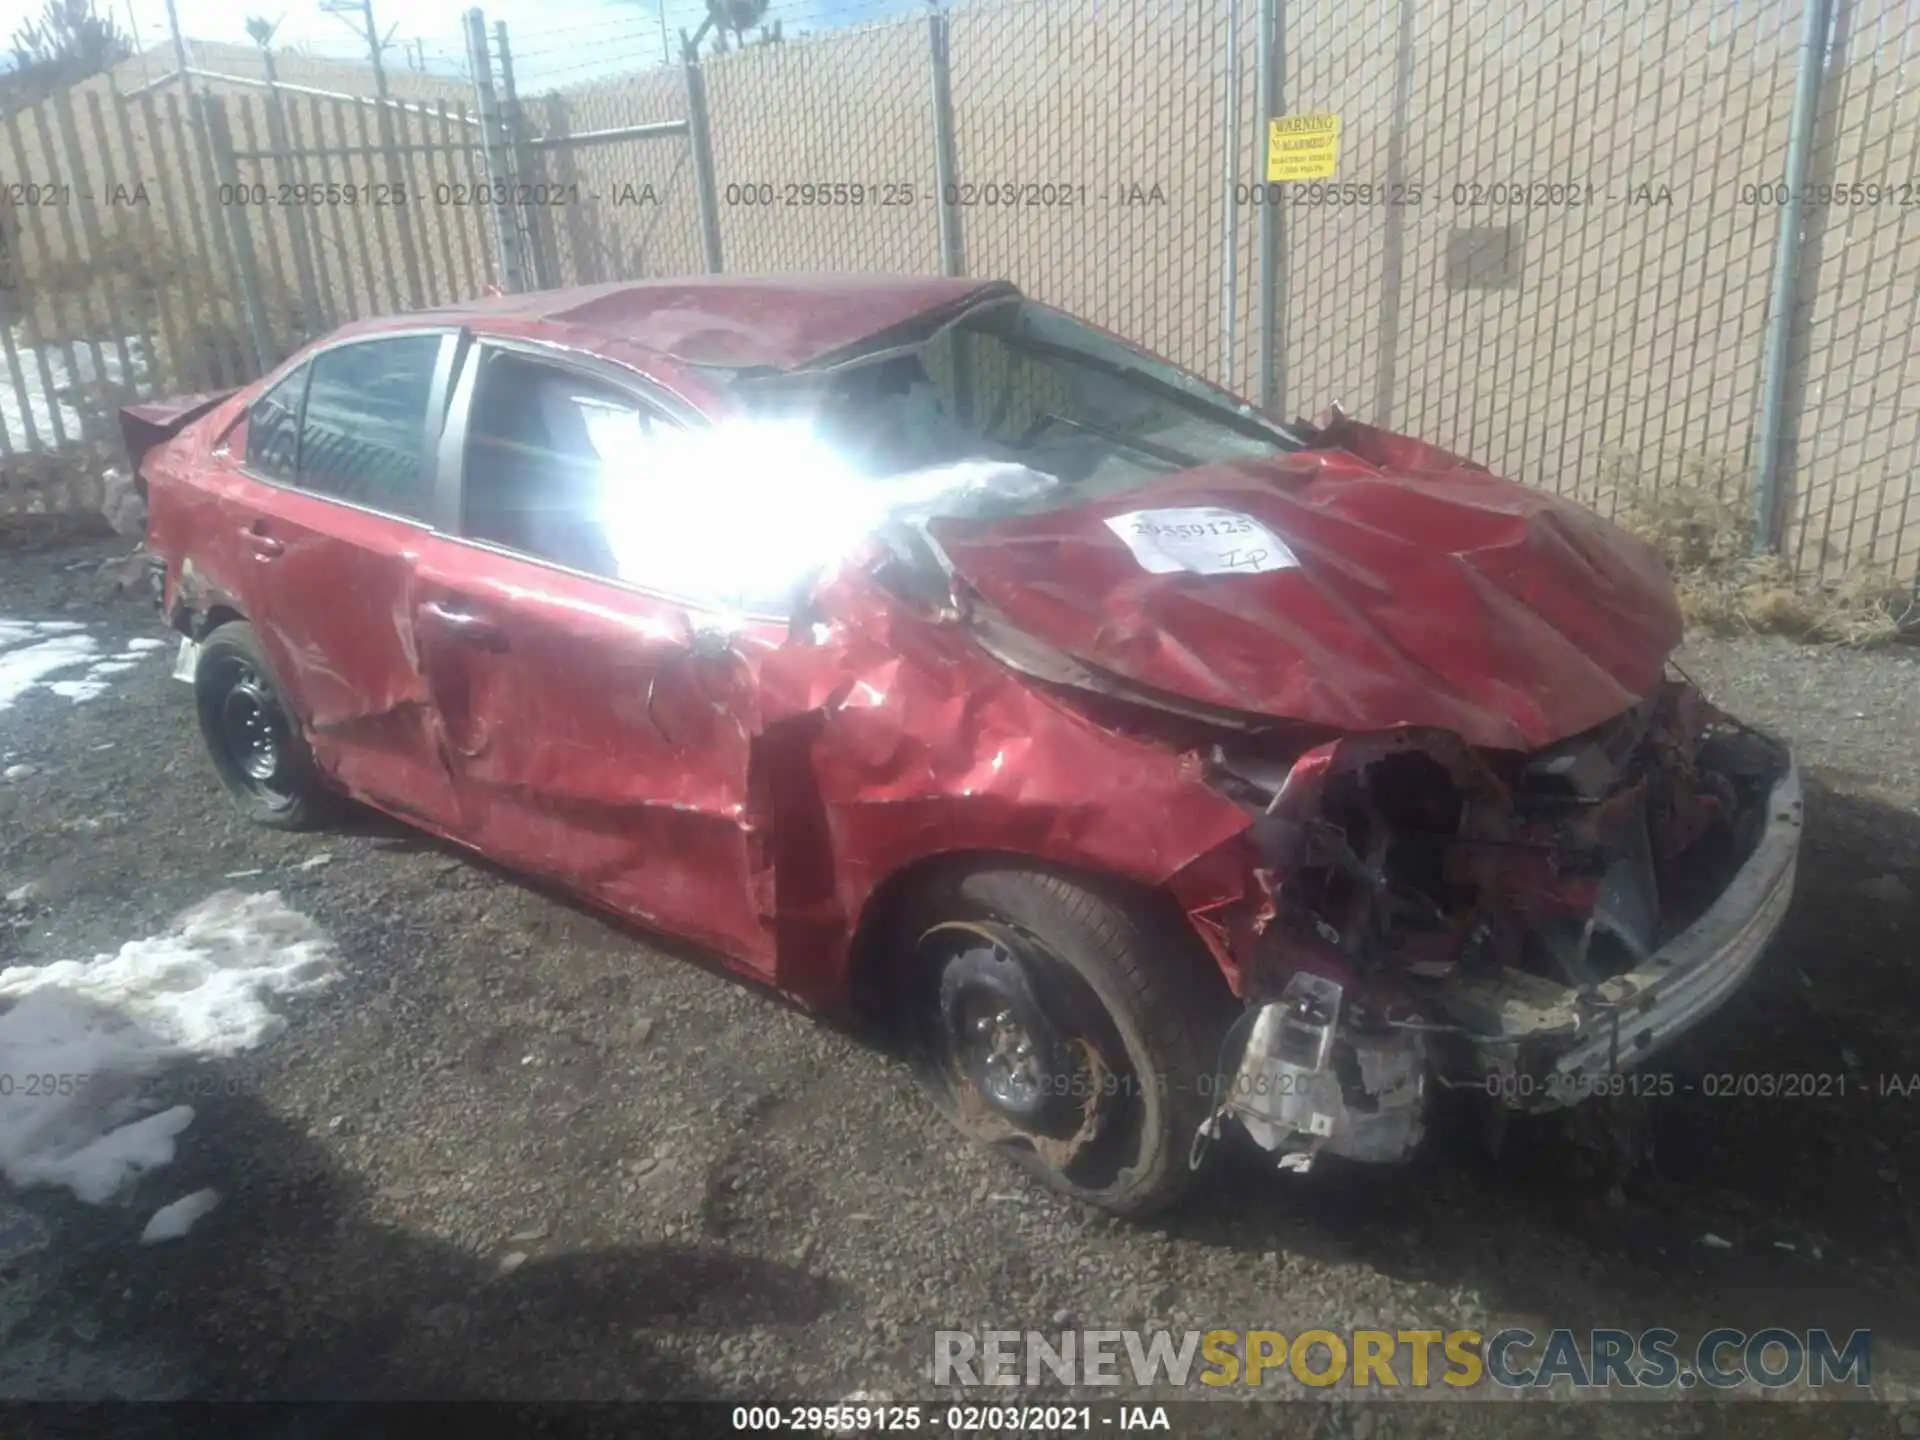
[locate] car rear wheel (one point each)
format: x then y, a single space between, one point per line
1070 1028
256 747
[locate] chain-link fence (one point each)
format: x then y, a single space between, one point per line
1851 439
1561 238
186 240
1579 285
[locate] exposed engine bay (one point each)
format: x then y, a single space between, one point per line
1527 925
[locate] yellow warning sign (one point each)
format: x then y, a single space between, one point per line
1303 147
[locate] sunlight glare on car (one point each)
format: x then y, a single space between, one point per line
739 512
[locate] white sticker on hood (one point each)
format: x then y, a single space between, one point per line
1202 539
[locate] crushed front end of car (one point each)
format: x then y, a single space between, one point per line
1532 926
1475 835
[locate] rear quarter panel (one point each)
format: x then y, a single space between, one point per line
189 514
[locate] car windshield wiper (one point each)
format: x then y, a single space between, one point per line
1164 454
1219 411
912 333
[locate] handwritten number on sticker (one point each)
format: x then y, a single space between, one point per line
1201 540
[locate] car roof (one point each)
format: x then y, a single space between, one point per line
735 321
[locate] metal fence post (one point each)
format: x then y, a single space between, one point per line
700 140
1230 215
62 103
166 343
953 255
45 315
288 172
9 351
1272 53
221 249
1783 298
494 147
514 120
213 117
1393 261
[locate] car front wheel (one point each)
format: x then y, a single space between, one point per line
256 747
1069 1027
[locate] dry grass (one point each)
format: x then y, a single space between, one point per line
1696 510
143 285
66 483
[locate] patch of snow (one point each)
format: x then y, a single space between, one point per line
46 373
22 669
33 650
83 689
170 1222
18 632
198 989
199 986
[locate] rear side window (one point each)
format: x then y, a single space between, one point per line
273 429
363 435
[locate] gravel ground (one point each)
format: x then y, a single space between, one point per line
521 1151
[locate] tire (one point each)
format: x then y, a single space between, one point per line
1119 1007
254 742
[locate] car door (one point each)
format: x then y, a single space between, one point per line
597 731
349 448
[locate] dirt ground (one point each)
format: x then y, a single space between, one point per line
713 1196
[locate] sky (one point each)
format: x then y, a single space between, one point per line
555 42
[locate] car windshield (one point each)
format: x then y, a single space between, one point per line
1012 383
1010 408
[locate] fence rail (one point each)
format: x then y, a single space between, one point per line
1609 247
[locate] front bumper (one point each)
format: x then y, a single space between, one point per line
1633 1016
1554 1047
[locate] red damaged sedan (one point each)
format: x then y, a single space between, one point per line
1164 772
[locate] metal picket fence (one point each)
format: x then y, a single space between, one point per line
1619 249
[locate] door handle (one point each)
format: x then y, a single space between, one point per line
263 545
466 626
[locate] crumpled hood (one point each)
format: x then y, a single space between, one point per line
1413 588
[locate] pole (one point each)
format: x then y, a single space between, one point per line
179 51
1269 102
535 251
493 149
280 137
383 111
953 258
1784 300
374 47
220 139
1230 218
700 139
1393 249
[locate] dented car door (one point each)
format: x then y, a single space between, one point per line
330 553
598 733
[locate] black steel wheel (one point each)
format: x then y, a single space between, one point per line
255 745
1065 1026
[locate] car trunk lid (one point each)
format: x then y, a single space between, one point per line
146 426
